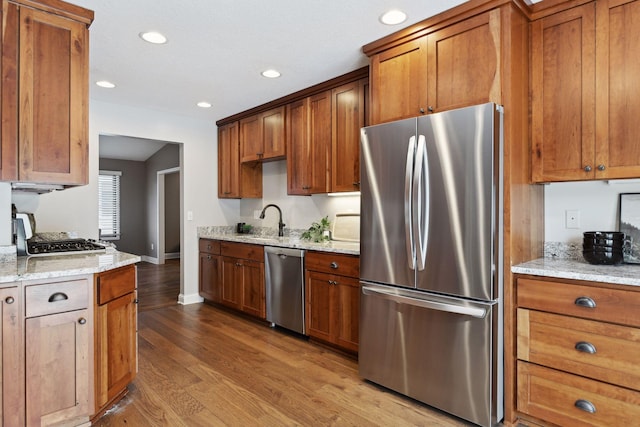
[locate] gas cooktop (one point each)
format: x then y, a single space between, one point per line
63 247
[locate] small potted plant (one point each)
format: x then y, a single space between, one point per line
319 231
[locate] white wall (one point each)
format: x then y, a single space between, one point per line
77 209
597 202
297 211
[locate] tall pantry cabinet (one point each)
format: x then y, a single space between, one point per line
45 66
475 53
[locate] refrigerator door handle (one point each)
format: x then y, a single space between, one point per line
476 312
408 204
420 202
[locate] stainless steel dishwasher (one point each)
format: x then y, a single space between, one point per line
285 287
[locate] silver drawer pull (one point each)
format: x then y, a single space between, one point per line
9 300
585 302
585 406
58 296
82 320
333 265
586 347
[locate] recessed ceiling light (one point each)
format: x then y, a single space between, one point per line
153 37
204 104
272 74
393 17
105 84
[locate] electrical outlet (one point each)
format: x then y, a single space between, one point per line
572 218
152 246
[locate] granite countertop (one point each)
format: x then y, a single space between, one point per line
623 274
45 267
291 241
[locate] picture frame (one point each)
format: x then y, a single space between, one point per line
629 224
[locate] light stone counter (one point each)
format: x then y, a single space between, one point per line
623 274
45 267
291 241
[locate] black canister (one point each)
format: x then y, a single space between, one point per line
240 228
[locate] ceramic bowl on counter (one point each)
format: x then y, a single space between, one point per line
603 247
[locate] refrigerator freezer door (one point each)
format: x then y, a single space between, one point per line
386 168
435 349
460 202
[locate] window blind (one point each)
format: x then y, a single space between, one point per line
109 204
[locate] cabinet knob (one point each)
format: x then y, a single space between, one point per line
333 265
421 110
9 300
585 302
601 167
136 301
430 108
209 257
587 168
586 347
82 320
585 405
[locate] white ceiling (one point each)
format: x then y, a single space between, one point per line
128 148
217 48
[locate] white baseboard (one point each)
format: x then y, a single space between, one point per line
189 299
152 260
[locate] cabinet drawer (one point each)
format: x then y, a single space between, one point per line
555 396
113 284
345 265
210 246
242 250
610 305
593 349
50 298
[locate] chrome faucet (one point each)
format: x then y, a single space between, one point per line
280 223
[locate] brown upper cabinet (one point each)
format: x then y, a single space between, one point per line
235 179
584 96
309 144
45 85
262 136
348 112
449 67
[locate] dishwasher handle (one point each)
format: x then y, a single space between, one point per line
477 312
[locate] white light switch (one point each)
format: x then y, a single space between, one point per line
189 215
572 218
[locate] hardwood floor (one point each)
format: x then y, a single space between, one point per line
158 285
201 365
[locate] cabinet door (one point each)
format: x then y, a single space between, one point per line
399 82
209 286
57 368
11 362
347 117
347 300
617 94
231 279
253 301
116 347
273 134
309 145
251 139
463 65
228 161
53 113
9 92
562 109
319 305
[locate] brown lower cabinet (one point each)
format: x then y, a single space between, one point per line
577 350
12 389
333 299
116 335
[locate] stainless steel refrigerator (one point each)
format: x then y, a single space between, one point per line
431 260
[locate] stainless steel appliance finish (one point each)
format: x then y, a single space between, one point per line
431 260
285 287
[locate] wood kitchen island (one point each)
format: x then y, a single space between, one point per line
69 345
